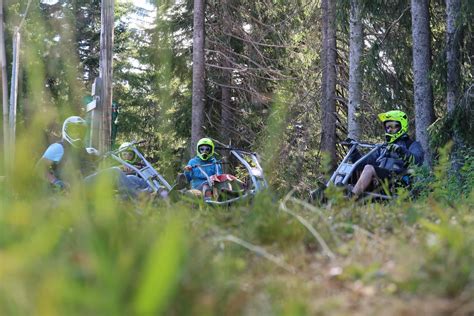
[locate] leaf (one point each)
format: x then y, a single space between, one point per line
161 271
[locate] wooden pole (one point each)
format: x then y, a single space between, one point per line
105 64
3 60
14 93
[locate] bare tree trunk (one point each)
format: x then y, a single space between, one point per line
106 57
324 49
453 9
355 82
14 95
424 113
198 98
226 108
3 59
328 134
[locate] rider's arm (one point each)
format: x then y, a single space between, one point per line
53 154
218 168
188 174
188 170
45 166
414 154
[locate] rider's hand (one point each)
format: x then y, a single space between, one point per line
59 185
349 140
188 168
128 170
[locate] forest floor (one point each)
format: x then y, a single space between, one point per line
87 253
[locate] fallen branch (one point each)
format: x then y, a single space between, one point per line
258 250
315 210
326 250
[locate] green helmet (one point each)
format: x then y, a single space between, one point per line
126 153
207 142
395 116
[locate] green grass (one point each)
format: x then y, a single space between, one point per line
89 253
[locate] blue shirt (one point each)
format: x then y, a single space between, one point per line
61 154
55 152
196 176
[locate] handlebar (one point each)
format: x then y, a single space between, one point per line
206 165
236 149
366 145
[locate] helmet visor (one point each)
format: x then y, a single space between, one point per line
392 127
205 149
127 155
76 131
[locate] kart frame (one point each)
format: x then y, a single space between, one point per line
255 173
344 171
148 173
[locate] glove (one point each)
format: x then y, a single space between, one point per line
188 168
349 140
59 185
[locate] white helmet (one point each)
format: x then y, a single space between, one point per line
74 131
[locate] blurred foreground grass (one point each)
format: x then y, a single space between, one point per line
88 253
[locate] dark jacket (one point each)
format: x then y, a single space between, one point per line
82 162
410 153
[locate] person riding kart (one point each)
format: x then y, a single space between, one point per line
391 160
69 151
70 160
204 159
128 155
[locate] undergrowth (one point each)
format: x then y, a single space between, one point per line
89 253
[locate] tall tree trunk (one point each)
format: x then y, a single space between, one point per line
328 115
424 113
324 49
3 59
355 82
198 98
453 9
226 108
14 95
106 57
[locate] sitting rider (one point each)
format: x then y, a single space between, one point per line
127 154
392 159
209 164
70 160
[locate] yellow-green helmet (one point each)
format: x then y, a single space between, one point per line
396 116
205 142
125 150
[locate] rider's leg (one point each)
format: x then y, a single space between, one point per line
206 191
126 187
364 180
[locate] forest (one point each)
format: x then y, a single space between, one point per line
291 84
